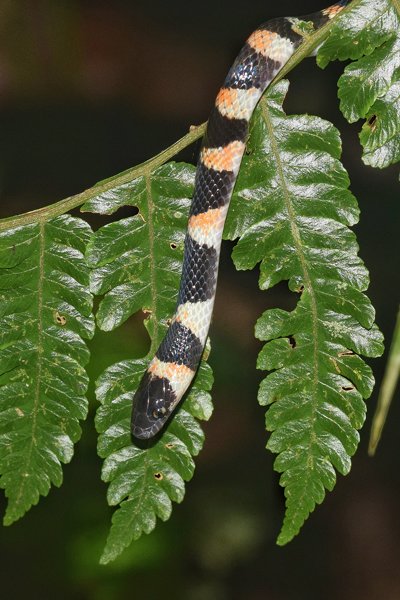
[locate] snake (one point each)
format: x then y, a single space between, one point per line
172 369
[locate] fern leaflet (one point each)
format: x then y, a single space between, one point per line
298 228
45 310
136 265
370 87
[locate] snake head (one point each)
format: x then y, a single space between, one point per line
153 403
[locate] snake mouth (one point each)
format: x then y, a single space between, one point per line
142 429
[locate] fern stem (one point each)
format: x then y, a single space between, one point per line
58 208
31 444
387 390
150 206
311 41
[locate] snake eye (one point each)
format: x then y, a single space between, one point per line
159 412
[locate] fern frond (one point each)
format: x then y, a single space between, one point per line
370 87
137 260
145 480
292 209
136 265
45 309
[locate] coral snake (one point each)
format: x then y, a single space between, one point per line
174 365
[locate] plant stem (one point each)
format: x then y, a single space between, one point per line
58 208
387 389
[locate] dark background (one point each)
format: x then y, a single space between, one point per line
88 89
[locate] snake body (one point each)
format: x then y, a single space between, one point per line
172 369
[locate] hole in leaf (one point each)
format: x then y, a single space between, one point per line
59 319
169 446
97 220
173 246
158 476
346 353
347 388
372 122
292 341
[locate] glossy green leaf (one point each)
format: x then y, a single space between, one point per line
380 134
362 27
137 260
292 209
45 308
145 479
136 266
369 88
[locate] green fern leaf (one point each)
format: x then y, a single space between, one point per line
145 480
136 266
370 87
137 260
292 209
45 311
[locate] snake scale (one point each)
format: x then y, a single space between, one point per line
174 365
